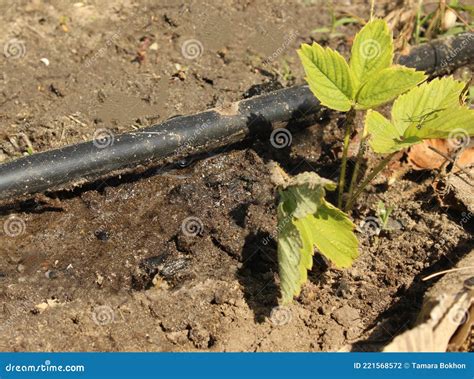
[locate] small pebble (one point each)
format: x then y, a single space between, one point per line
101 235
154 262
21 268
449 19
45 61
51 274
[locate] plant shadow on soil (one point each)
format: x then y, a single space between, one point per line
382 332
257 275
402 313
259 255
395 320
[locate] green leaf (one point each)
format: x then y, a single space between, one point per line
372 51
331 231
302 200
306 220
459 28
289 256
345 21
324 29
386 85
447 123
431 110
328 76
422 103
385 138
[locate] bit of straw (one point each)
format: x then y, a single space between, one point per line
446 272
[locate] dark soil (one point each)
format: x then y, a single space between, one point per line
179 259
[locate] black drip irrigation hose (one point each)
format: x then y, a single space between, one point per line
185 135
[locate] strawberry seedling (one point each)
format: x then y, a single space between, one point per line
422 110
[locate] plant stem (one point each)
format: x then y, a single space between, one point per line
369 178
372 6
333 16
355 173
347 134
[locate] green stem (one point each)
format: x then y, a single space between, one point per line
369 178
355 173
347 134
333 16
